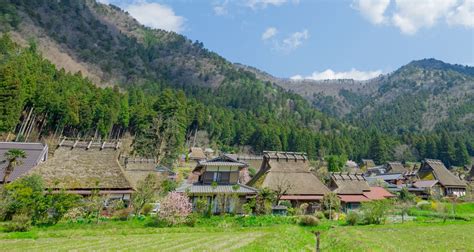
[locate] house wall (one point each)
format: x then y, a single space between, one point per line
221 203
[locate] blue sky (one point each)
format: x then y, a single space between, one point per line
319 39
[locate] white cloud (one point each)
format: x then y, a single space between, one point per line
220 8
270 32
372 10
293 41
262 4
412 15
462 15
157 16
330 75
103 1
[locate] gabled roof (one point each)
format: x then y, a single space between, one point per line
441 173
290 169
35 154
386 177
223 160
81 168
378 193
425 183
209 189
347 183
368 162
196 153
396 167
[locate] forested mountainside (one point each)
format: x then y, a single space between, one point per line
422 96
163 88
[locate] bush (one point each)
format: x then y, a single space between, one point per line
122 214
247 208
19 223
308 220
319 215
352 218
341 217
147 209
375 211
285 203
303 208
423 205
74 214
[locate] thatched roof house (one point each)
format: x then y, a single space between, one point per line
85 166
36 153
196 154
290 172
368 163
432 169
138 168
353 189
395 167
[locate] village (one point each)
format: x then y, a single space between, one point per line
275 183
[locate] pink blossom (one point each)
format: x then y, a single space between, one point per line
174 208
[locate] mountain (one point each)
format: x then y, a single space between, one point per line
166 88
422 96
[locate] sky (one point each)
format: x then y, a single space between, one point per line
319 39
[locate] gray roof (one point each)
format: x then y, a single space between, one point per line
223 160
209 189
35 154
385 177
425 183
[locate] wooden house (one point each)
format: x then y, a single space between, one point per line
36 153
218 182
289 173
451 185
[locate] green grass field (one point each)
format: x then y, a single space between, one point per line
132 236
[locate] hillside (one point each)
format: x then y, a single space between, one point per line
421 96
167 88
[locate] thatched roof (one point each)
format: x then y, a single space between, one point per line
95 167
368 163
348 183
396 167
35 154
288 169
196 153
440 173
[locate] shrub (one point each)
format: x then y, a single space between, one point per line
285 203
147 209
423 205
352 218
122 214
319 215
201 206
191 220
341 217
19 223
375 211
303 208
308 220
175 208
74 214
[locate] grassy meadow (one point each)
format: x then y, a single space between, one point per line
228 235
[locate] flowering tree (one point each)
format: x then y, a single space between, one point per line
175 208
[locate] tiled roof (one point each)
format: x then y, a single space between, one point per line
353 198
35 153
378 193
209 189
388 176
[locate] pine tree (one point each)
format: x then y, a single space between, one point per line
462 156
378 150
446 152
